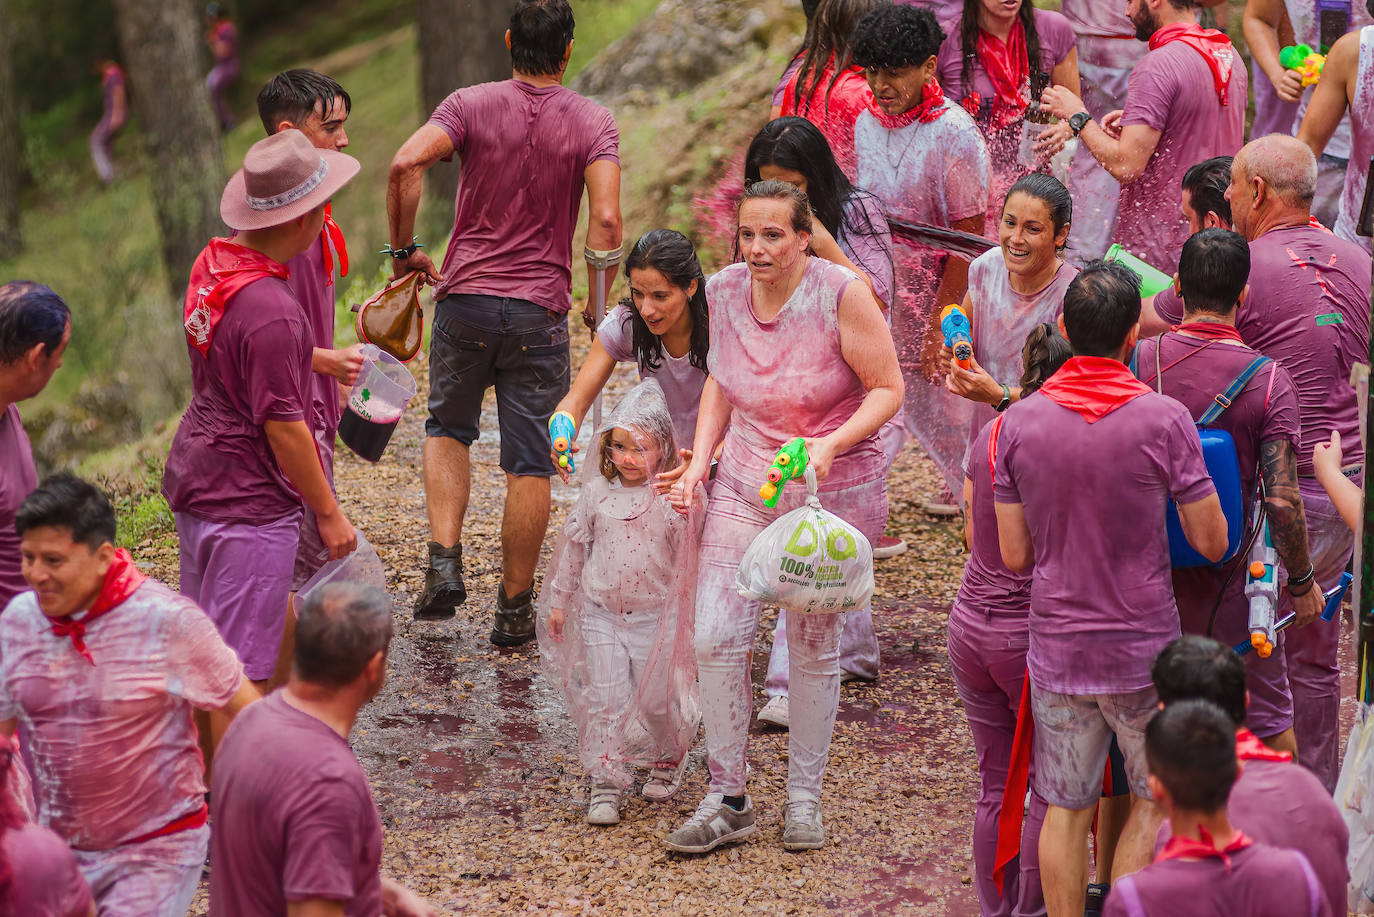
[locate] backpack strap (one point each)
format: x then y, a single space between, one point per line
1223 400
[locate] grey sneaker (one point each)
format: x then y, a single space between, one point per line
714 824
514 623
604 806
775 712
801 825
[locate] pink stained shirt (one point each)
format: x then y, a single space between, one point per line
681 381
17 480
935 173
1172 91
294 817
777 389
866 239
221 467
1308 308
113 744
1258 881
1361 121
524 150
45 879
989 588
1102 603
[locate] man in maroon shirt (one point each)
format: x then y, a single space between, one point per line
35 326
1272 801
529 147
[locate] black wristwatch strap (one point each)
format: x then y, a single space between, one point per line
1079 121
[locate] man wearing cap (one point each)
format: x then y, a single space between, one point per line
244 457
528 147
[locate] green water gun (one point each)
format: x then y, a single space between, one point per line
1303 59
789 463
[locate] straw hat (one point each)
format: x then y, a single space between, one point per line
283 177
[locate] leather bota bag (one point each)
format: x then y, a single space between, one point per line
393 319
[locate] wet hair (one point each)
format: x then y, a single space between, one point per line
774 190
799 146
292 95
667 450
809 8
1101 306
1048 190
1200 668
1190 747
1212 270
30 314
539 34
671 254
1044 352
1206 183
895 36
64 501
968 42
828 34
339 628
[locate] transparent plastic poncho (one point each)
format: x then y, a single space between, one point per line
623 574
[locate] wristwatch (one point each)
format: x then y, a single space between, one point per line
1077 121
1005 402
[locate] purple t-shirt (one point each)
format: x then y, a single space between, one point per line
1102 606
867 241
1284 805
524 150
1259 881
17 480
221 468
780 90
1172 91
680 380
45 879
1308 308
294 817
988 587
1056 42
946 11
316 295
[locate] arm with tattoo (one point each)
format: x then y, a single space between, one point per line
1287 524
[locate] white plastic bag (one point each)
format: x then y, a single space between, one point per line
361 566
1355 797
809 561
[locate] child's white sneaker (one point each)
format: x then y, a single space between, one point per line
664 780
604 807
775 711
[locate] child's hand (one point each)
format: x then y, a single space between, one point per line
556 618
1326 457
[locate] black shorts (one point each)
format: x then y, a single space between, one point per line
515 345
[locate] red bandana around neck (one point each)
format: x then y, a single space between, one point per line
1250 748
1008 67
222 269
1185 848
1214 47
1093 387
1210 331
332 238
120 582
931 106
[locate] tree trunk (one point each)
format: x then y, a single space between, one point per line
160 42
11 137
462 42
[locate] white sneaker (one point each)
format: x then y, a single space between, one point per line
604 807
801 825
714 824
774 712
664 780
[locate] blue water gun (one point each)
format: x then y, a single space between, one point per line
954 324
1333 598
562 433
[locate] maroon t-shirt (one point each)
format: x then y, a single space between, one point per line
1102 602
1258 881
221 467
293 815
988 587
45 879
1308 308
316 294
17 480
524 150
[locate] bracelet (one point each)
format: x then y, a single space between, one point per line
401 254
1297 595
1303 580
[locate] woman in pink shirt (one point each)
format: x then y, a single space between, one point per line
836 392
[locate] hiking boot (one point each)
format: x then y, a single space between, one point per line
801 825
514 618
444 589
714 824
604 805
774 713
664 780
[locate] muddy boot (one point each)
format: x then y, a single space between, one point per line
444 587
514 618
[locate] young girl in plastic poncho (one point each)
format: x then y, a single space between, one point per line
616 617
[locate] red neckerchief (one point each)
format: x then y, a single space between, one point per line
1093 387
120 582
1180 847
222 269
931 106
332 238
1214 47
1008 68
1209 331
1250 748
